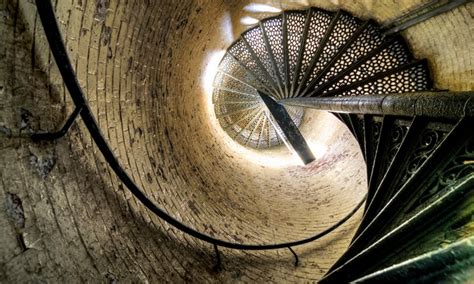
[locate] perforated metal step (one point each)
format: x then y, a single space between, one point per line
307 53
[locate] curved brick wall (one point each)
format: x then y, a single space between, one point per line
146 70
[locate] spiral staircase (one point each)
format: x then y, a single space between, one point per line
420 161
417 141
312 53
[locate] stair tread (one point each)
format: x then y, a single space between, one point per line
255 135
458 143
346 26
314 52
240 51
295 26
410 77
258 47
273 28
369 40
231 67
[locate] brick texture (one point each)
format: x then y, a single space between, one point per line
65 216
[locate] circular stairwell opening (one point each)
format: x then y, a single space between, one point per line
303 54
288 201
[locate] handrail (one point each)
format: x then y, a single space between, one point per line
58 49
420 14
442 104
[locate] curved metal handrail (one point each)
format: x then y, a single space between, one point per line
58 49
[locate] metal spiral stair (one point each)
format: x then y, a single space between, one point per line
418 143
307 53
420 184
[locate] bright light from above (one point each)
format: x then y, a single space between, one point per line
274 158
279 157
226 29
318 149
261 8
213 58
248 21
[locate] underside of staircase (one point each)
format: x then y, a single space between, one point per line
417 142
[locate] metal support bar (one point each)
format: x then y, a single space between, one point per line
217 267
285 53
410 13
450 105
295 255
416 16
290 130
55 135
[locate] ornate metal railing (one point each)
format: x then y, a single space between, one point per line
421 13
421 148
